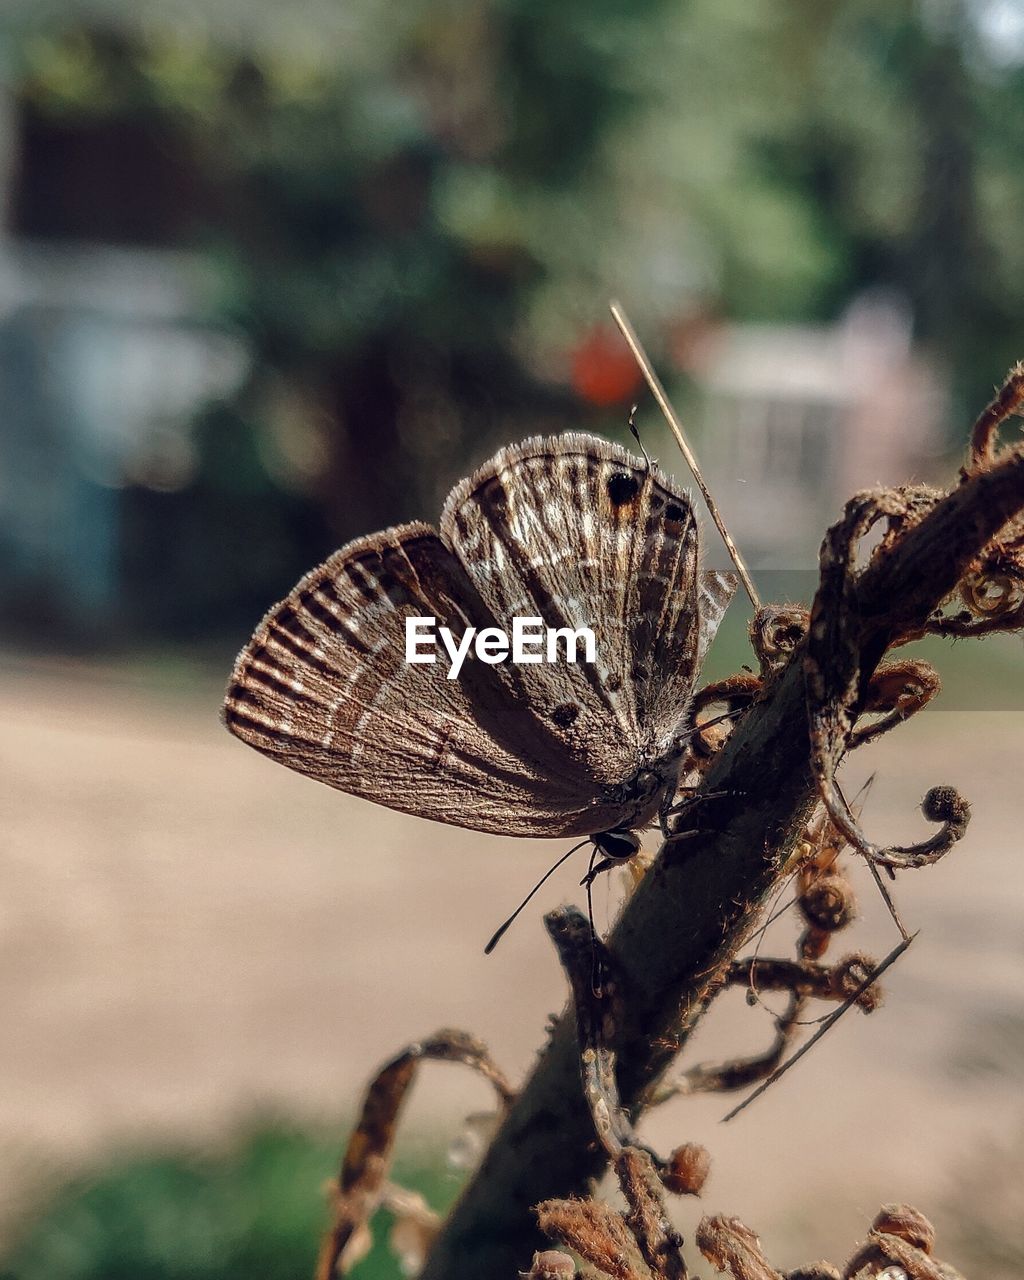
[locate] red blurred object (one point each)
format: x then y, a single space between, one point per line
603 369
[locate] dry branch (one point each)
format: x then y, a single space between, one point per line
697 905
361 1185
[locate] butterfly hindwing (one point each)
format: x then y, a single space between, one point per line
323 687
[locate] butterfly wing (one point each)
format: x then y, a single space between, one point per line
323 687
576 531
716 591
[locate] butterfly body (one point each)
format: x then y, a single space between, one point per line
569 529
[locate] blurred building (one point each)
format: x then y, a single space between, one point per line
103 366
794 419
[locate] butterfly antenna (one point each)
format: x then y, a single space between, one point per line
500 933
658 391
634 432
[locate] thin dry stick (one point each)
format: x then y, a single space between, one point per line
830 1021
658 391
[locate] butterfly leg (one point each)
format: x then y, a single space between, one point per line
670 830
669 808
594 870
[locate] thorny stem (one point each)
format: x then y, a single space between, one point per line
693 910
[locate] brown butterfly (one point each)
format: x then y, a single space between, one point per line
569 529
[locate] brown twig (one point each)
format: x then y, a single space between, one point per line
1007 401
739 1073
581 954
730 1246
803 978
361 1182
659 1243
838 683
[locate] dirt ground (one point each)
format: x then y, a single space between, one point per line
191 935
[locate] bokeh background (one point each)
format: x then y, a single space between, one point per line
272 277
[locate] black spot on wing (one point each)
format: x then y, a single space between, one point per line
622 488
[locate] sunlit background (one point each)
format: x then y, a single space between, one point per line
274 276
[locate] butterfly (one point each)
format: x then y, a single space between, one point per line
571 529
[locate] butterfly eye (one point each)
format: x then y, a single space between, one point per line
622 488
617 846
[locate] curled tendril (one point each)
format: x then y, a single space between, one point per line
985 432
708 736
775 632
993 592
943 805
835 688
992 595
897 691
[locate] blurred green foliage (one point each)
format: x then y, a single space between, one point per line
256 1211
415 214
519 150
